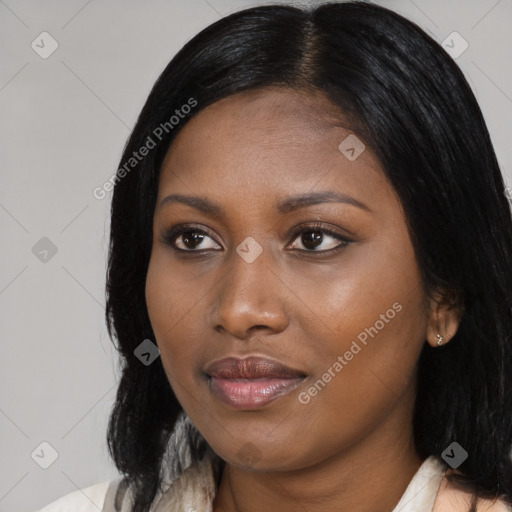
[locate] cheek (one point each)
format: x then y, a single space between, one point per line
374 292
366 372
159 294
373 316
172 303
173 295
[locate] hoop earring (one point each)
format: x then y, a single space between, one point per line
439 339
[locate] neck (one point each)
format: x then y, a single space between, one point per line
369 477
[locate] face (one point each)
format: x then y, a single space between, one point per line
328 287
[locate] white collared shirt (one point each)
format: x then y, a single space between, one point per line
419 496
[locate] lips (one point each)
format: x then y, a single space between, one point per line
252 382
250 393
252 367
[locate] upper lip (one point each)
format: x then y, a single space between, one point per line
253 367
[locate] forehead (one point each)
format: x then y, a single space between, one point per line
266 139
276 116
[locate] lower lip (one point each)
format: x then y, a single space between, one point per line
251 393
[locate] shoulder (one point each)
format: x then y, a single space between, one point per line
88 499
450 499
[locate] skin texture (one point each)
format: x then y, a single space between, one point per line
247 152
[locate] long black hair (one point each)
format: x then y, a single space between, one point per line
408 101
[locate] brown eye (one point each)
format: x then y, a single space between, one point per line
187 238
313 237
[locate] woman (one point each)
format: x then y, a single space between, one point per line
309 277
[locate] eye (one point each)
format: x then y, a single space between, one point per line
313 236
188 239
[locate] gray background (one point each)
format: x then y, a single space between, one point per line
64 122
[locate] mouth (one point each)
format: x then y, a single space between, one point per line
251 382
251 393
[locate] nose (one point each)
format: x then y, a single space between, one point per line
250 297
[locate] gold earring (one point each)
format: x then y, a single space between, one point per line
439 339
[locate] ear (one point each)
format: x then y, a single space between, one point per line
443 319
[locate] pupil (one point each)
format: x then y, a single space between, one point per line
316 237
192 236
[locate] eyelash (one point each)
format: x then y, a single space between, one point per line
174 232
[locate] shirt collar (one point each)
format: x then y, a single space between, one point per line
196 487
422 489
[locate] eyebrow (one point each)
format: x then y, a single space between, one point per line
285 206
